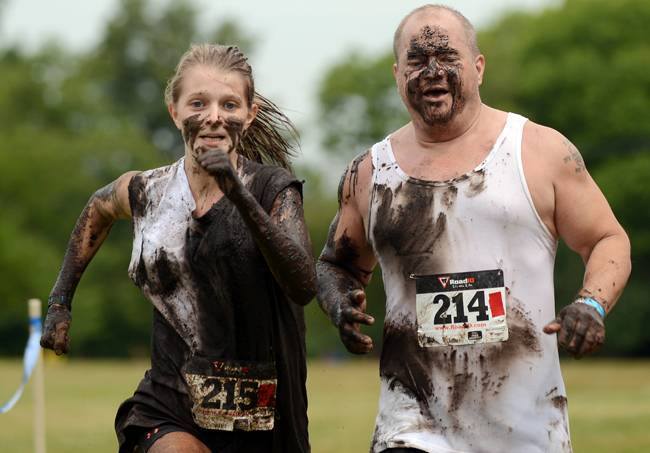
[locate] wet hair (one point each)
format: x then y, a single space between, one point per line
470 31
271 136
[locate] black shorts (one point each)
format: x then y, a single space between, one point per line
155 410
253 441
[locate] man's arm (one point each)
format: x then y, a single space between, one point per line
103 208
584 220
346 263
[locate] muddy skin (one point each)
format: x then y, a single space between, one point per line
434 61
337 275
191 127
235 129
283 240
353 174
55 329
582 329
89 232
337 278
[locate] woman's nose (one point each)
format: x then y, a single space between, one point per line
214 116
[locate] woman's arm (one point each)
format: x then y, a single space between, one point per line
104 207
282 236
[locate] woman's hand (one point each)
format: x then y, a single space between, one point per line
217 163
55 329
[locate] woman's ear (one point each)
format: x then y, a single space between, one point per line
252 113
173 113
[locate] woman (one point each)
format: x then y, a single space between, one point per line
221 250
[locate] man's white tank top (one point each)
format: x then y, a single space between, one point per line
503 396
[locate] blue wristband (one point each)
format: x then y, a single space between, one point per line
594 303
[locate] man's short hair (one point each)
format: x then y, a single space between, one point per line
470 32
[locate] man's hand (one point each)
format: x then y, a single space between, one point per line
581 329
351 314
55 329
217 162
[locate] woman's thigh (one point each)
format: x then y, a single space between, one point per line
177 441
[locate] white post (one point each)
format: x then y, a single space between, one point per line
38 384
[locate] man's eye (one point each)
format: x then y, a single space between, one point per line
196 104
229 105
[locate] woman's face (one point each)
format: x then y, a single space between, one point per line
212 109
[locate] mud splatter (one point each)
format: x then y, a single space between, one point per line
164 276
346 249
404 363
449 196
559 402
477 183
354 173
235 128
191 127
137 196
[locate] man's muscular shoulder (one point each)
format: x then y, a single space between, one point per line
549 160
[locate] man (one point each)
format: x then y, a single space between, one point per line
462 208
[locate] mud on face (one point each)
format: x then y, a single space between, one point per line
192 126
432 64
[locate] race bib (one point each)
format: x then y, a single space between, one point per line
461 308
228 395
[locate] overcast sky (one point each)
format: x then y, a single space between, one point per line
296 40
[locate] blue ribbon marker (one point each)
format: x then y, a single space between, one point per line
32 352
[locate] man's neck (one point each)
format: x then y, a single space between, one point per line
427 135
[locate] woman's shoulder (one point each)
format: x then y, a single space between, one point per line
159 173
148 186
266 181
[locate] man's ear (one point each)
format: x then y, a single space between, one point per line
479 64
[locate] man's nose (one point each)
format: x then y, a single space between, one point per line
434 69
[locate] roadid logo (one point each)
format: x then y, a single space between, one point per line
446 280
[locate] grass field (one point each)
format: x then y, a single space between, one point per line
609 405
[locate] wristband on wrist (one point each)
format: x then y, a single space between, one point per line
61 300
592 302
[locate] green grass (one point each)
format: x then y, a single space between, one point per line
609 405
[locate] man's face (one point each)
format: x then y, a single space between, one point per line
436 71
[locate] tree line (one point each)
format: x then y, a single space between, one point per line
72 123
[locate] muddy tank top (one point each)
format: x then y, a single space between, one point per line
213 293
467 266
